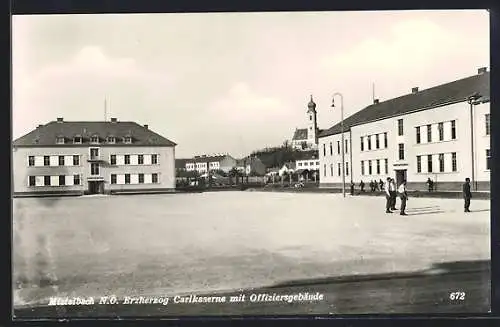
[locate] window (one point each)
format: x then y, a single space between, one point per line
94 168
369 142
154 178
111 139
385 140
441 162
324 170
418 134
377 142
94 153
76 160
76 179
61 160
300 164
94 139
127 159
488 157
127 178
400 127
62 180
441 131
32 181
141 178
362 167
113 178
401 151
419 164
338 147
339 168
31 160
429 133
324 150
378 167
487 123
331 169
60 140
46 180
347 169
346 146
154 159
46 160
112 159
369 167
77 140
386 166
127 139
310 117
140 159
306 163
331 149
362 144
453 130
429 163
453 161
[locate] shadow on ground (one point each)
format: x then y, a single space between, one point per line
427 291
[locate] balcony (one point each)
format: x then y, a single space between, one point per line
95 178
97 158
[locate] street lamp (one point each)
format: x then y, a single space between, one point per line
472 101
342 132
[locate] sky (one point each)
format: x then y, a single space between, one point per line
233 82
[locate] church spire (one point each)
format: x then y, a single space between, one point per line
311 105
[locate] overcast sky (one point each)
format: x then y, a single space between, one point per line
233 82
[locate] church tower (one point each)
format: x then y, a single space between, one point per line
312 125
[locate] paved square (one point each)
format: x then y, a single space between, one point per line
166 244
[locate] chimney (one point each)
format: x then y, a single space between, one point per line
113 120
375 101
482 70
146 126
59 120
414 90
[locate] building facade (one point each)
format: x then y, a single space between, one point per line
92 157
204 163
441 133
307 138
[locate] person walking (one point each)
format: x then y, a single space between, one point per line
388 197
430 184
381 184
467 194
352 188
362 186
392 191
403 195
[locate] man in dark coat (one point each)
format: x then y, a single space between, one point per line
388 197
362 186
467 194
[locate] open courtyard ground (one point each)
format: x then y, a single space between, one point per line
182 243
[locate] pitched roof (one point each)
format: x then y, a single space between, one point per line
453 92
205 158
181 163
300 134
45 135
307 155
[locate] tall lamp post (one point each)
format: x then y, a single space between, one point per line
342 132
472 101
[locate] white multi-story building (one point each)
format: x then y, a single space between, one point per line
92 157
204 163
441 133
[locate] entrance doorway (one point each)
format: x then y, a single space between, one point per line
96 187
400 176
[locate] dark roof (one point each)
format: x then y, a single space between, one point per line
306 155
205 158
300 134
45 135
452 92
181 163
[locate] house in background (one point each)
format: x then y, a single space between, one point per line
307 138
307 165
87 157
204 163
251 165
441 133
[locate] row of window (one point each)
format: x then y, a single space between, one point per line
74 160
346 148
369 141
94 140
199 165
377 163
339 169
65 180
308 163
443 158
441 132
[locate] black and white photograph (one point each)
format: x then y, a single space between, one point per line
315 163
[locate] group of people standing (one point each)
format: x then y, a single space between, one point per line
391 193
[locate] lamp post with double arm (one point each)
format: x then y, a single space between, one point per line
342 135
